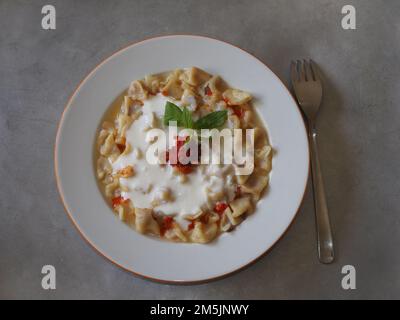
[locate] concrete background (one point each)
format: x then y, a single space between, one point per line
359 141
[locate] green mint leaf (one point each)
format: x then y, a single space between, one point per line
187 120
172 113
212 120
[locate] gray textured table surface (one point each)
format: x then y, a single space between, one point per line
359 130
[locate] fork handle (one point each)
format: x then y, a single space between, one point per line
324 233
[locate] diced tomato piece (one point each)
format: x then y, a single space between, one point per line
204 218
168 221
237 110
238 191
207 91
166 224
173 154
220 207
180 142
185 169
164 93
191 226
117 201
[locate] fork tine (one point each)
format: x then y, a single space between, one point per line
300 67
308 71
314 70
293 71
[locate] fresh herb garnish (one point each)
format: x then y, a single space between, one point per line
212 120
187 120
172 113
184 118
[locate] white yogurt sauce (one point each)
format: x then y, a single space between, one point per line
151 180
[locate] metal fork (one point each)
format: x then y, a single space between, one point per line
308 89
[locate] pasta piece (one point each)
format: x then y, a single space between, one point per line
110 148
107 129
189 99
126 172
211 231
234 221
212 90
137 91
110 188
256 184
125 212
194 76
236 97
225 225
126 105
123 123
260 139
213 217
247 119
173 86
214 85
131 107
103 167
195 216
144 221
108 145
175 233
153 83
202 233
263 158
240 206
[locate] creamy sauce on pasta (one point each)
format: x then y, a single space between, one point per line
150 181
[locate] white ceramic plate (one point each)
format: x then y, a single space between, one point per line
161 260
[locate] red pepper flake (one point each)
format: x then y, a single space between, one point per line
180 141
121 147
173 153
207 91
237 110
184 168
117 201
238 191
220 207
191 226
204 218
121 144
166 224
